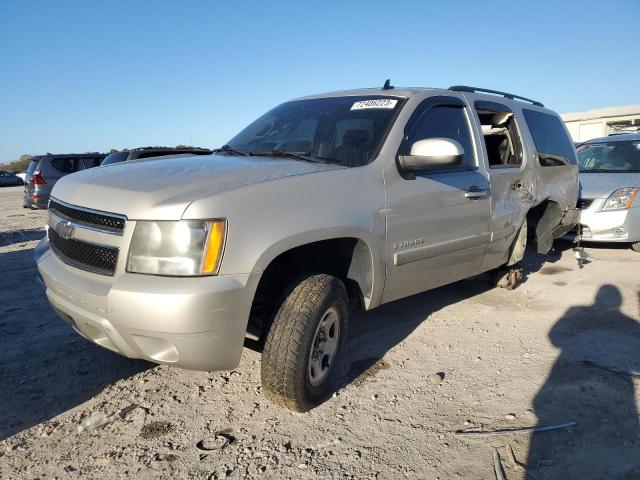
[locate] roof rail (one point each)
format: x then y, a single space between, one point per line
464 88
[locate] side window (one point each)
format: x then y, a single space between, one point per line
91 162
550 138
446 122
66 165
154 153
501 136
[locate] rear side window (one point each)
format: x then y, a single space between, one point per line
91 162
157 153
66 165
115 157
32 167
551 140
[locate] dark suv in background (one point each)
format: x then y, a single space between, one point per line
45 170
146 152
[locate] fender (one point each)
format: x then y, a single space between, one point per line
367 267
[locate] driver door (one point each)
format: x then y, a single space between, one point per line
437 221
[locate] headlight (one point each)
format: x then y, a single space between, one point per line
182 248
621 199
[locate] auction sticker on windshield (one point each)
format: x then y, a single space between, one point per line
376 103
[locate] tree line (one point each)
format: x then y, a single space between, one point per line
19 165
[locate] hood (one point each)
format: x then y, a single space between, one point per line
162 188
602 184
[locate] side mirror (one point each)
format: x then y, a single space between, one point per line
432 154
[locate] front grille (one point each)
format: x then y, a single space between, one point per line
94 258
584 203
101 221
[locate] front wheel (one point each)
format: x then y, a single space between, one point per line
635 247
302 353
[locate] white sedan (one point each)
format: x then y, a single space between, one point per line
610 189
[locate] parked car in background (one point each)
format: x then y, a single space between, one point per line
22 176
610 189
147 152
323 204
45 170
9 179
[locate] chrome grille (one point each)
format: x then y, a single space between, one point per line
86 256
107 222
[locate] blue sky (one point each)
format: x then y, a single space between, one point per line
80 76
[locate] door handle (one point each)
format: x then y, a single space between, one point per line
476 193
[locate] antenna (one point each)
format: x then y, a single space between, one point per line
387 85
190 139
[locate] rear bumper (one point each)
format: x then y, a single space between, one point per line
35 200
195 323
612 226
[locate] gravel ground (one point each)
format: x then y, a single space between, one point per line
562 347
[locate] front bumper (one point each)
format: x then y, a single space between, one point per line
196 323
610 226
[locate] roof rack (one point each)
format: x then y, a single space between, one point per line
464 88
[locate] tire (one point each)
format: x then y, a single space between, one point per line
292 375
635 247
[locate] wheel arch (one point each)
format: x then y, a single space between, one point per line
349 255
542 219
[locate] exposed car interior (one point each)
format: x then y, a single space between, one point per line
501 138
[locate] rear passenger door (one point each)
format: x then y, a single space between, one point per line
437 221
512 178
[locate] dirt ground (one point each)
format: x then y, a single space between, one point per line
563 347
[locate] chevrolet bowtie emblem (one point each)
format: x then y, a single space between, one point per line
65 230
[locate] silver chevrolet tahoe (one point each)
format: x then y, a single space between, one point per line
324 204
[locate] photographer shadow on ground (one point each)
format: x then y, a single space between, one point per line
591 383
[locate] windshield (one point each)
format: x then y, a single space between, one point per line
115 157
344 130
610 157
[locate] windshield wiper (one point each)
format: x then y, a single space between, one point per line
229 149
280 152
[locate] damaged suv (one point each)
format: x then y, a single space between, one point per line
325 203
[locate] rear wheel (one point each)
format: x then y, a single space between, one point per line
635 246
302 353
